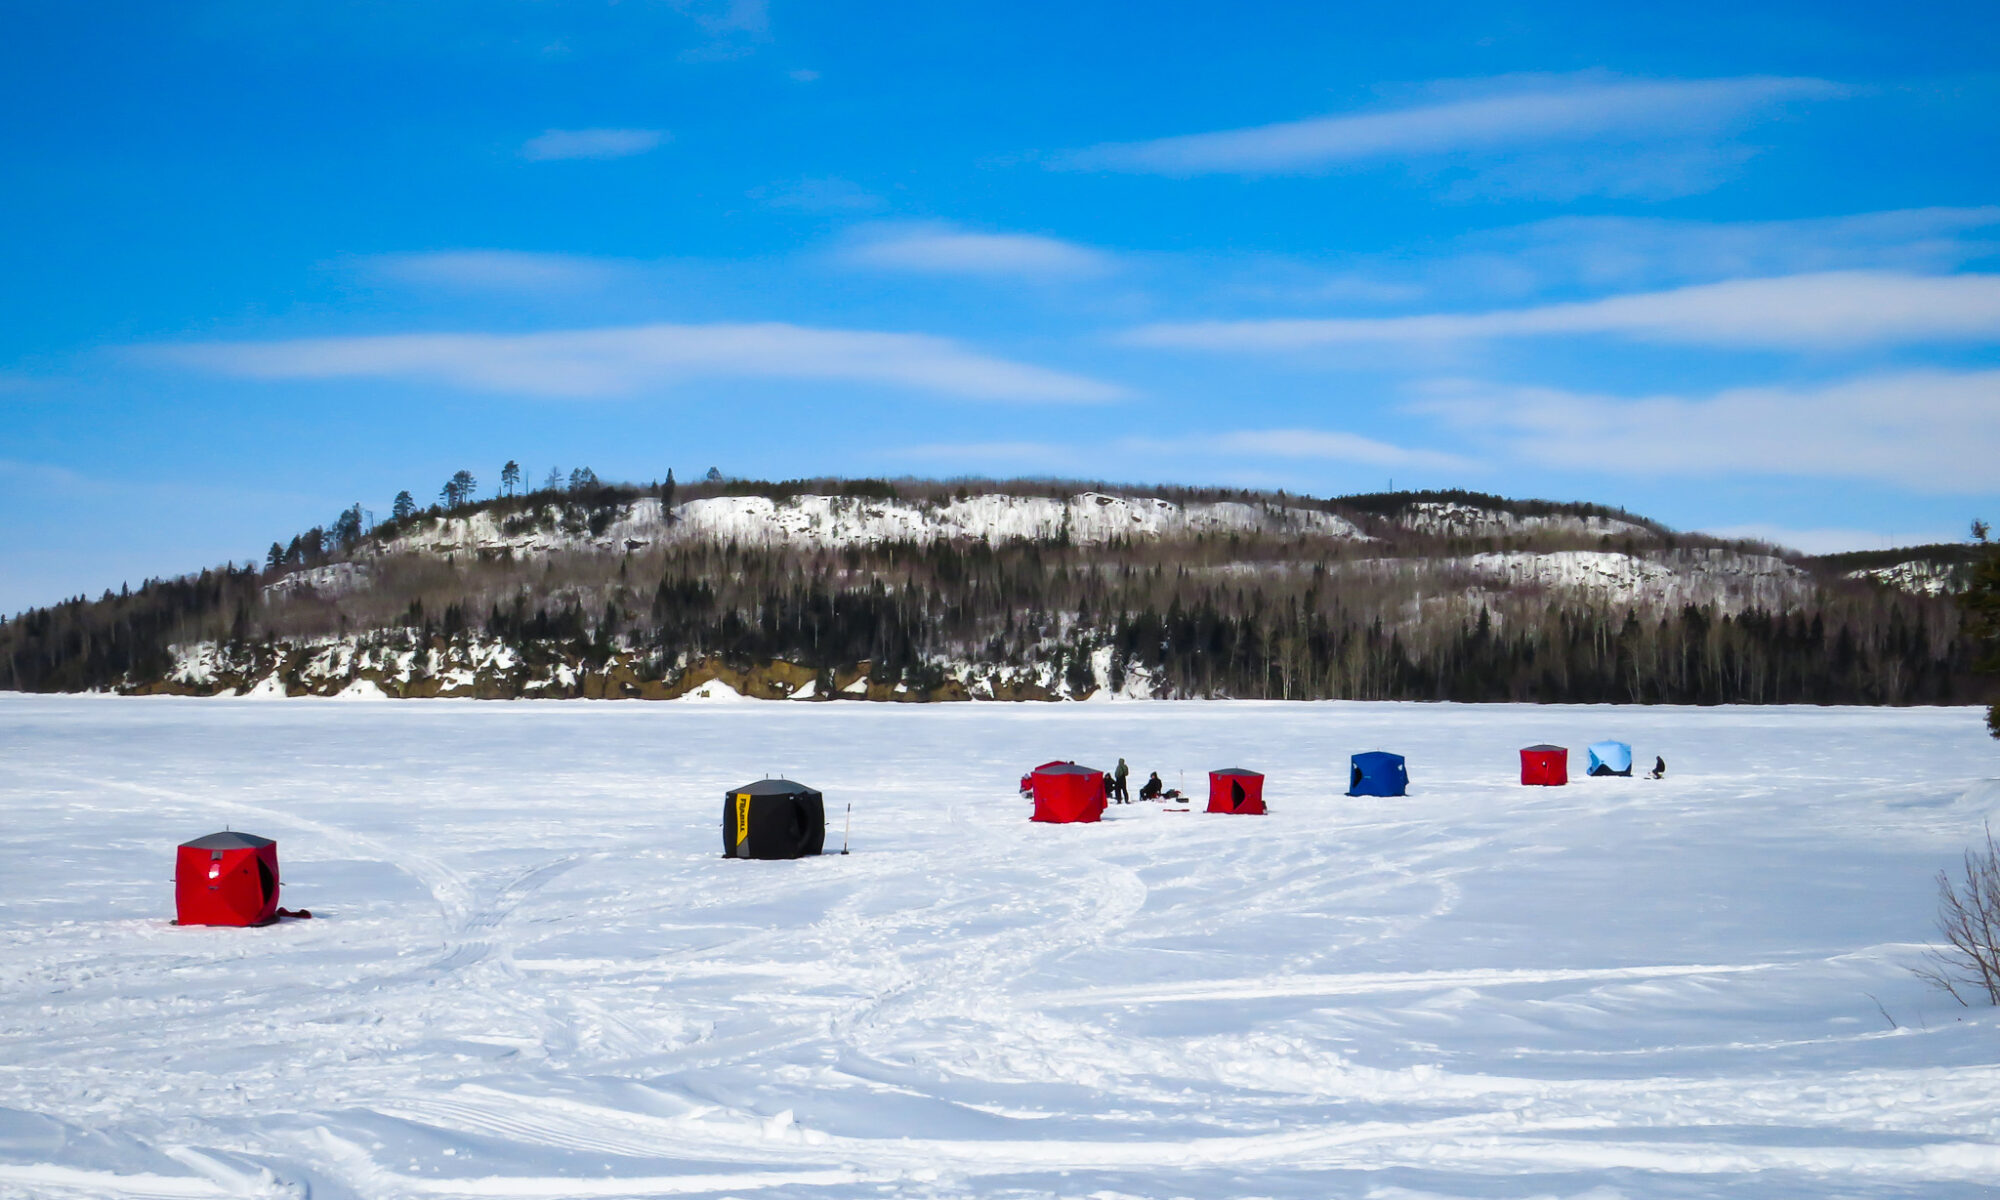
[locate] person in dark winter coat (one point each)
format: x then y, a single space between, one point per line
1153 787
1659 767
1119 789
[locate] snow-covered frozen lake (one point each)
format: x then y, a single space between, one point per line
533 974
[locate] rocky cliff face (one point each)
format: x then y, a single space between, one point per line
1920 577
1089 518
401 666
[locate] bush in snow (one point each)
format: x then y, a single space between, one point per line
1969 919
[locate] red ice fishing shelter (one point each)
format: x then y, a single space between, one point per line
1235 790
1065 792
1545 765
226 879
1028 780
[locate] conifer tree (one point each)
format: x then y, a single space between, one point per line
405 506
457 490
347 528
1982 617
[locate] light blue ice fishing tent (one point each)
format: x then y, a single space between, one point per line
1610 758
1377 773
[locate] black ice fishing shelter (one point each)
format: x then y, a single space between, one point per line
773 818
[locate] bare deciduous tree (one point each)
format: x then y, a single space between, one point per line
1969 919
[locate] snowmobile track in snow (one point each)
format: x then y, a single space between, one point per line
538 978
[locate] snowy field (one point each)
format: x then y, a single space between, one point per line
534 976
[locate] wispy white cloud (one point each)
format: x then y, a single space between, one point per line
73 533
1568 257
1930 431
1007 456
1639 169
623 361
733 27
557 144
1304 444
501 270
1611 252
1294 445
45 475
1823 310
937 249
726 17
828 193
1511 113
1832 541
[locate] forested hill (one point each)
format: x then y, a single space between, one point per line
913 590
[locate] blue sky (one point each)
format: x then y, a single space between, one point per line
1735 266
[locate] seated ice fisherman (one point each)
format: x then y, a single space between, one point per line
1659 767
1153 787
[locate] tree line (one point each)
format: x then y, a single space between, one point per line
1260 616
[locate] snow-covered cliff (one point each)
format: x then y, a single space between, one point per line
1919 577
834 521
1664 579
1448 519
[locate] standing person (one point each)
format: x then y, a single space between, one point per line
1124 796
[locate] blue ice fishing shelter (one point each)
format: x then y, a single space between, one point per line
1378 773
1610 758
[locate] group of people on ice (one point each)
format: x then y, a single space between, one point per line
1117 783
1117 786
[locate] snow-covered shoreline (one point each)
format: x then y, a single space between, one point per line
398 665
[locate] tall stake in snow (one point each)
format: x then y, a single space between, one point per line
849 828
